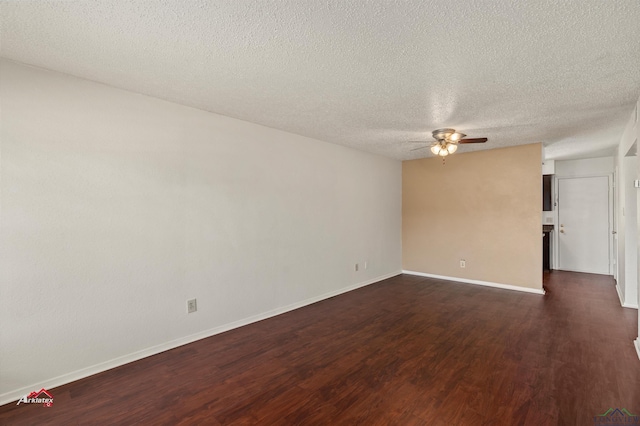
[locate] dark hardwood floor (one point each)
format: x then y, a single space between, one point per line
404 351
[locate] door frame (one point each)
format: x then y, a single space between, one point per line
556 202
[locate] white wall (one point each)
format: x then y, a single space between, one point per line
620 239
116 208
630 213
634 129
628 208
627 215
585 167
548 166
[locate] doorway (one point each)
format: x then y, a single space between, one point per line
584 224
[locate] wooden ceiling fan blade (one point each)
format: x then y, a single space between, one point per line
473 140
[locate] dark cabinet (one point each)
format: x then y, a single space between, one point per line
546 251
546 193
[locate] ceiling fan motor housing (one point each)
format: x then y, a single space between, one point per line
447 135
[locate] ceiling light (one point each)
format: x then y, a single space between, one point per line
444 148
456 136
447 141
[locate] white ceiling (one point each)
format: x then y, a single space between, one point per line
371 74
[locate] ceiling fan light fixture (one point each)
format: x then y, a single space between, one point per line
456 136
447 141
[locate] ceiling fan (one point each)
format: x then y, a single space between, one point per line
447 141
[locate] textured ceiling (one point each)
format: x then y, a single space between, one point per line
371 74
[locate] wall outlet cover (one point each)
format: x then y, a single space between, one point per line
192 306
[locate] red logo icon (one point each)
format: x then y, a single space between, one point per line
40 397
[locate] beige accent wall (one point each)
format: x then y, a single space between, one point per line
483 207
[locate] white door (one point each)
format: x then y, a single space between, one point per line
583 218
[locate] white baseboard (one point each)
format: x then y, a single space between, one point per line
636 343
622 301
620 295
14 395
477 282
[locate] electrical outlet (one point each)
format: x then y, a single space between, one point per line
357 267
463 263
192 306
366 265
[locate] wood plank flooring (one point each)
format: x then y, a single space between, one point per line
404 351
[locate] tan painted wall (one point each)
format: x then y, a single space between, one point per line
484 207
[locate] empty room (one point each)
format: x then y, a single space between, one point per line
319 212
